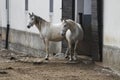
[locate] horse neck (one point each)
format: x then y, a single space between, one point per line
72 27
42 24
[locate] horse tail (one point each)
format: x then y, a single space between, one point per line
81 31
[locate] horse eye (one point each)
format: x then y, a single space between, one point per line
65 26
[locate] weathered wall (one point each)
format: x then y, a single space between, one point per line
111 57
29 43
111 51
0 32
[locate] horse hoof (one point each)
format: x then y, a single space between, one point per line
74 58
70 59
46 59
66 57
72 62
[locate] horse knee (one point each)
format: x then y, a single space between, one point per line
66 56
74 57
70 59
47 57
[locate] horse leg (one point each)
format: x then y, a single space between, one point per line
75 54
70 56
47 49
67 53
72 51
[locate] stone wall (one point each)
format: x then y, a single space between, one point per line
111 38
0 33
111 58
28 43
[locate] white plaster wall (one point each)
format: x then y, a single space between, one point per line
0 13
17 14
40 8
19 18
3 13
112 23
57 14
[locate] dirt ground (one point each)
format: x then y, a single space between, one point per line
16 66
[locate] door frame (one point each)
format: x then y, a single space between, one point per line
100 27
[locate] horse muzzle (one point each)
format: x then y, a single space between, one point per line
28 26
63 34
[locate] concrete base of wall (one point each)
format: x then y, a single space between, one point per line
0 31
23 49
111 58
28 43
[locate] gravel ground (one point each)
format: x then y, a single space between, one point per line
16 66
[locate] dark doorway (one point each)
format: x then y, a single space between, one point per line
68 12
93 40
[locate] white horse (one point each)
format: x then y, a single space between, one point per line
48 31
73 33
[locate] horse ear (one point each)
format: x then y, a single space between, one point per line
29 14
32 13
63 20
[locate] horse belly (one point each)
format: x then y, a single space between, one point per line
56 37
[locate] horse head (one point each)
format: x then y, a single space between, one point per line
32 20
65 27
35 20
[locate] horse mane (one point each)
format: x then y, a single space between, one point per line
39 19
70 22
